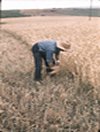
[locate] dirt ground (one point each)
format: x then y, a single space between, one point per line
68 102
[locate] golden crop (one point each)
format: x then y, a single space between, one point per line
67 102
84 36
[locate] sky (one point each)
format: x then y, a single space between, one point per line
43 4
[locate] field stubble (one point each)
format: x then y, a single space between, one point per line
68 102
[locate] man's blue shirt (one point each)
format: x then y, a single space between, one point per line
49 48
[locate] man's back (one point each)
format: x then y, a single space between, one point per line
47 45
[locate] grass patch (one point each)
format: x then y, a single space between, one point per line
57 104
12 13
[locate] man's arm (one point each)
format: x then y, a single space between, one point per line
49 58
57 55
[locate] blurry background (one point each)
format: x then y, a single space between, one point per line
38 4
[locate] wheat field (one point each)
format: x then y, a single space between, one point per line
69 102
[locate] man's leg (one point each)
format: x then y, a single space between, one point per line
38 63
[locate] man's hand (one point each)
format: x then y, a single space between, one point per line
55 69
57 62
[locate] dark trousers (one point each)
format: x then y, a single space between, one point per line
38 56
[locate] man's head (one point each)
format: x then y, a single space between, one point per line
63 45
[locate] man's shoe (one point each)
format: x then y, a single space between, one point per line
38 83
